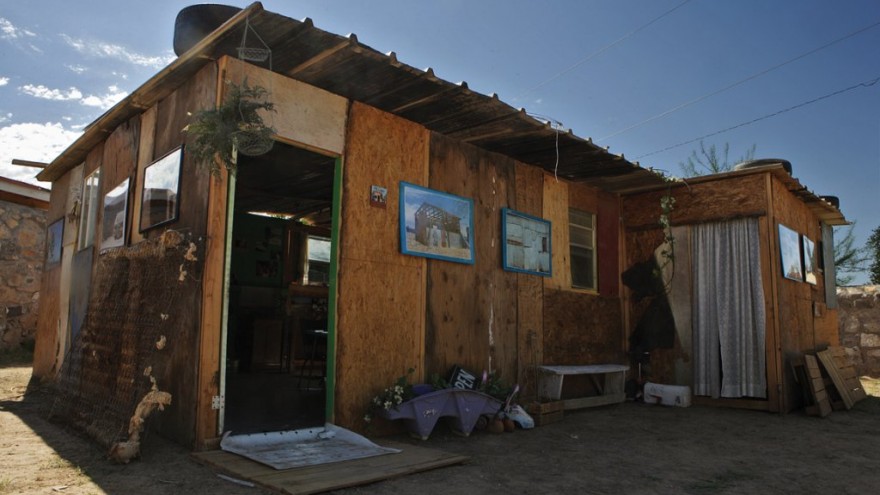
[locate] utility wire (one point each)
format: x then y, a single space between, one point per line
814 100
600 51
741 81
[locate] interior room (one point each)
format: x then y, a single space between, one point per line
279 266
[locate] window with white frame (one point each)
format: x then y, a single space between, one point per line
91 194
318 268
582 248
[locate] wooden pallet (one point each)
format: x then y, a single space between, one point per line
808 374
843 375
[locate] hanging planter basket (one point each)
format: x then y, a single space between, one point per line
253 141
234 126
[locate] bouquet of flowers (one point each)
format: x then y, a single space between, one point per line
391 397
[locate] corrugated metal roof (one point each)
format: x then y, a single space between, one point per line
345 66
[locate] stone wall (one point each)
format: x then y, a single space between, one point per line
860 326
22 251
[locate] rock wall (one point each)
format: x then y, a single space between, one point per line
22 252
860 326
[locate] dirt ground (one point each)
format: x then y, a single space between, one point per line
627 448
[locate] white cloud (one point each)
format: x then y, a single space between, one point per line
76 69
34 142
5 118
101 49
8 31
105 101
4 81
45 93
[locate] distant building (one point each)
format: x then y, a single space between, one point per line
22 254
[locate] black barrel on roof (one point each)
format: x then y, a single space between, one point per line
195 22
763 162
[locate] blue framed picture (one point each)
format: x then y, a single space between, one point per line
435 224
526 247
54 240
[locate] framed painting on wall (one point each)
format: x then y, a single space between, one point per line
810 261
115 212
526 247
435 224
159 198
790 252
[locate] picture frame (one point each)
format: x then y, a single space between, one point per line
54 241
810 261
113 219
527 243
436 224
160 193
790 253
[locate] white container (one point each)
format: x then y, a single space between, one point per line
667 395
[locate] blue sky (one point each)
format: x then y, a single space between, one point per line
607 69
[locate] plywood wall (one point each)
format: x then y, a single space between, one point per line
380 323
699 203
471 309
530 288
308 116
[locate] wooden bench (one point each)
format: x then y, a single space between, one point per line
607 378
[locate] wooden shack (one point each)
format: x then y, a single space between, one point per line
789 235
281 297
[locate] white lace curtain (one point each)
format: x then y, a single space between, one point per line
728 310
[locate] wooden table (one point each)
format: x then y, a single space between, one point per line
607 378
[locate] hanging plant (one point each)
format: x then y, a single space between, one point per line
235 126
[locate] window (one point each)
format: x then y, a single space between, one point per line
318 267
582 238
90 203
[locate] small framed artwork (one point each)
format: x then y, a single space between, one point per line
790 252
378 196
436 224
159 199
115 212
54 237
526 247
810 261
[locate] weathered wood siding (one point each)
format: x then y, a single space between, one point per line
797 302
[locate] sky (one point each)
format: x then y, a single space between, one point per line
651 79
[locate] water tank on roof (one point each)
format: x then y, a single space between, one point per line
195 22
763 162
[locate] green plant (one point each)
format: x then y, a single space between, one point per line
391 397
235 126
494 386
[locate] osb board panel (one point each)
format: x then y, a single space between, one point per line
172 115
530 288
379 332
699 203
47 324
381 308
469 317
582 329
556 210
304 114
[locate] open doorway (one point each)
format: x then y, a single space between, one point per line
278 299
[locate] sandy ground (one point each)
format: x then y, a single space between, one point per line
627 448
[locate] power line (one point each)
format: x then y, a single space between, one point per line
600 51
741 81
814 100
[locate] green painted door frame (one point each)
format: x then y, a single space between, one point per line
330 385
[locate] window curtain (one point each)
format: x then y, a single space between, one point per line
728 310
